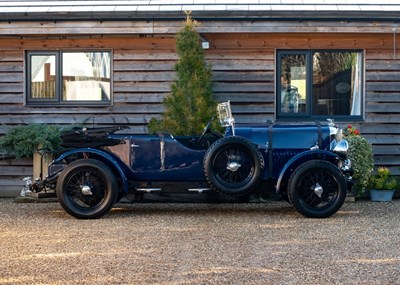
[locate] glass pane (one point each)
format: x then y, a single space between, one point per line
293 83
43 76
86 76
337 83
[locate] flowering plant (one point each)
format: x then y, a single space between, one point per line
360 154
350 130
383 180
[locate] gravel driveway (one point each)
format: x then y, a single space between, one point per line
200 244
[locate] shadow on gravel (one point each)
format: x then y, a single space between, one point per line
130 210
171 209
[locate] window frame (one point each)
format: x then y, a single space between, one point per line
307 115
57 101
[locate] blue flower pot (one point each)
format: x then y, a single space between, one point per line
381 195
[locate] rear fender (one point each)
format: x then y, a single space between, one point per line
100 155
299 159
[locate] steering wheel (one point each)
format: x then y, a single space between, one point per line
207 129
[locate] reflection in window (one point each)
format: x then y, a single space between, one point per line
336 83
88 81
69 77
293 83
320 83
43 76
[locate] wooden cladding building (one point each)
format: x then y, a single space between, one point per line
130 49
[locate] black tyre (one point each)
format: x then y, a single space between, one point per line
87 189
233 166
317 189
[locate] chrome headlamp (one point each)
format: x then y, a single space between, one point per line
339 135
339 145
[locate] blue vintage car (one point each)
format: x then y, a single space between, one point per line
307 165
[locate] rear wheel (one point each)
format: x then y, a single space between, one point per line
317 189
233 166
87 189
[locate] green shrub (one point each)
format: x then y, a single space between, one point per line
22 141
360 154
190 105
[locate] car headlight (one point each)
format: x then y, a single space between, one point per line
339 146
339 135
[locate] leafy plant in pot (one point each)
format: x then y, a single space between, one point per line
361 157
382 185
23 141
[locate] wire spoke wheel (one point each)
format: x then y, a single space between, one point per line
317 189
87 189
86 179
233 166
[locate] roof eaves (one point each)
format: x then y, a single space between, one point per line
203 9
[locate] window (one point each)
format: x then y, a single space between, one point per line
55 78
317 83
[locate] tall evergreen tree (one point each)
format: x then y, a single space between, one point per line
190 104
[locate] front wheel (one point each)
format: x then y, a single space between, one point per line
317 189
87 189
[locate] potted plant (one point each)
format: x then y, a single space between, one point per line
361 157
382 185
25 140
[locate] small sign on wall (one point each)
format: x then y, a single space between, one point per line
205 45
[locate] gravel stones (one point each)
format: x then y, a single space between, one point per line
200 244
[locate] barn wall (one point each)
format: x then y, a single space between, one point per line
11 174
244 70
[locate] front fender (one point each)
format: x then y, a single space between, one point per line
105 157
300 158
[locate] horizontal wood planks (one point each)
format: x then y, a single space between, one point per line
243 71
12 172
172 27
382 106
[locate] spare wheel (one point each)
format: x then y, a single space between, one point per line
233 165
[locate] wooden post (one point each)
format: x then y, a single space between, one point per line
40 166
47 76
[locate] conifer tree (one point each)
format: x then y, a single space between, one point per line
190 105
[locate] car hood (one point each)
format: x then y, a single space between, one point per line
287 136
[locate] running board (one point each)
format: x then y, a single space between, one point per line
199 190
148 190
